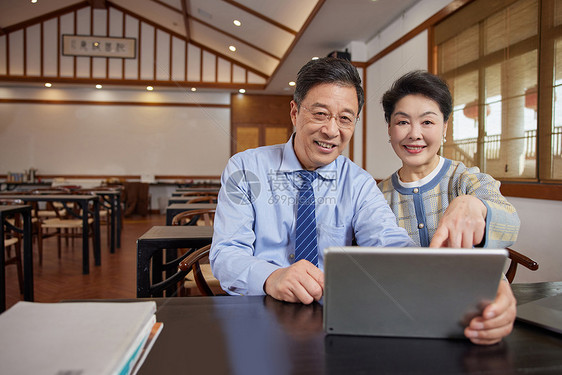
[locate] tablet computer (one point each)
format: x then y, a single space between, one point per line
408 292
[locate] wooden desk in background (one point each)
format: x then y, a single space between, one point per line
151 246
5 212
83 201
176 208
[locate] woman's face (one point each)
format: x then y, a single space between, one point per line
416 129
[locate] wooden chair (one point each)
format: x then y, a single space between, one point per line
200 263
199 273
195 217
12 241
204 199
516 259
65 224
174 285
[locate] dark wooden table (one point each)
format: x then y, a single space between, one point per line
112 200
259 335
175 208
5 212
198 189
83 201
151 245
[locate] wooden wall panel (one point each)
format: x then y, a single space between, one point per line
267 113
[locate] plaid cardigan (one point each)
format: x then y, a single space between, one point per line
418 210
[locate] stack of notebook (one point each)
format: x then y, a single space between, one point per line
77 338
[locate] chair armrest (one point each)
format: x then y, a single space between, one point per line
518 258
192 262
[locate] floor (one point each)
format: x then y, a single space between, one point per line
62 279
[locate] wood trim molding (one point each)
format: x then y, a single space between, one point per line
126 177
534 190
131 82
92 102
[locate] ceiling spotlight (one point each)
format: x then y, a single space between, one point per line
33 1
48 84
193 89
98 86
292 83
232 48
149 88
315 58
241 91
237 23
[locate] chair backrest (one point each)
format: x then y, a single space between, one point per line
171 285
204 199
518 258
195 217
193 262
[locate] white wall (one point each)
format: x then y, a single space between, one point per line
117 139
381 160
540 236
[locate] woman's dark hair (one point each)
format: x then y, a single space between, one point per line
328 70
418 82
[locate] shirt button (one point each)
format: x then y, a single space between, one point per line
416 190
291 256
420 225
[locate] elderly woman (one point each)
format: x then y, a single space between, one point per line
441 202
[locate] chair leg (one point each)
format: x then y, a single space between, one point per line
19 267
59 244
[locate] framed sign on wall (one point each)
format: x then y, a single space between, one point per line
98 46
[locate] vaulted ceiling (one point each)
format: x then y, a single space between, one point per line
273 39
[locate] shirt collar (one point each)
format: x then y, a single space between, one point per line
290 162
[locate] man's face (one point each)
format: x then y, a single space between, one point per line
318 144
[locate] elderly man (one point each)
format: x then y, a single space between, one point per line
280 206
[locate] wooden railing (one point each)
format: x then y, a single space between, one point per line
464 150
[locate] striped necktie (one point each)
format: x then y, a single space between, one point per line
306 239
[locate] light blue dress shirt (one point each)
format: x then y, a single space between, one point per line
254 227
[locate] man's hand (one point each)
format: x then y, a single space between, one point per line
300 282
462 225
496 320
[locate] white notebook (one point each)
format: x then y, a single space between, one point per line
73 338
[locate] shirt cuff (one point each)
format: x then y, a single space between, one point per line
257 277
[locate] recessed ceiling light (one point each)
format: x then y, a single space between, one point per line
315 58
33 1
232 48
193 89
292 83
241 91
98 86
237 23
48 84
149 88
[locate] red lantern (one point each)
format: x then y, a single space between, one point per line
531 98
470 110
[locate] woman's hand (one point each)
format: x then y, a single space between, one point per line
462 225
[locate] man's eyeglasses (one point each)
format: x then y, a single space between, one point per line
322 116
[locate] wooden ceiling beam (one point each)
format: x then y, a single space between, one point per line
261 16
185 14
98 4
235 38
46 16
